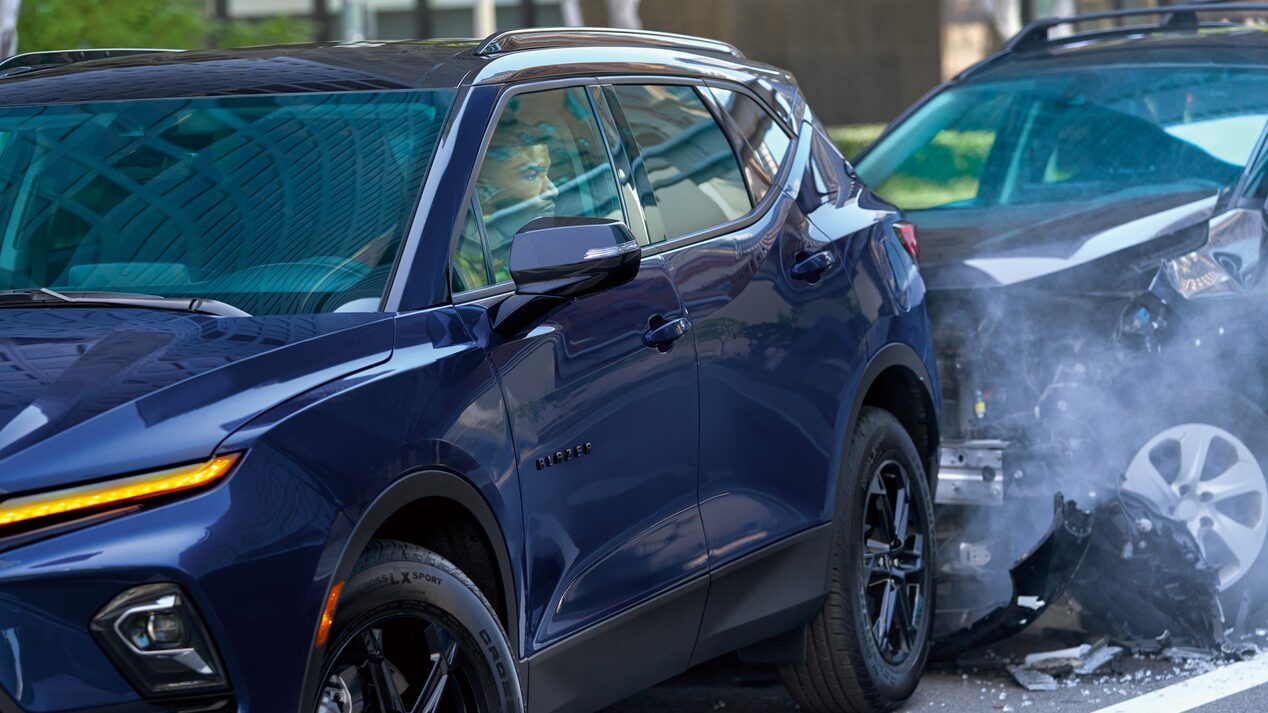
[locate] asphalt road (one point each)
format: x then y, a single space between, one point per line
725 686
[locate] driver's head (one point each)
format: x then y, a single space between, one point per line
516 171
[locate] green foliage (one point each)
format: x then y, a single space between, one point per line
273 31
947 170
944 171
853 138
178 24
82 24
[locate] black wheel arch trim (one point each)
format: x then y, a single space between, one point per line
420 485
900 355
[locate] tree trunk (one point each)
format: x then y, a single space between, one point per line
422 20
572 13
528 13
321 18
624 14
9 27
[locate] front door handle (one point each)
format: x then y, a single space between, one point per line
810 268
662 336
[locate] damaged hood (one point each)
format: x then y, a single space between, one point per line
1006 245
87 393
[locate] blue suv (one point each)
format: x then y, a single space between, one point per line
450 376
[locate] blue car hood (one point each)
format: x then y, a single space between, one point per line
91 393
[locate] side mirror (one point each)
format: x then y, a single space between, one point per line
554 259
572 257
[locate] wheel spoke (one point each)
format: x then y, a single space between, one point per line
885 617
1243 478
1244 543
906 619
386 695
902 511
1195 444
873 546
444 650
1149 482
908 561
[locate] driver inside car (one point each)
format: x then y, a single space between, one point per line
514 187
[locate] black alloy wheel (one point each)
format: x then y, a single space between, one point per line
893 562
867 647
413 634
402 664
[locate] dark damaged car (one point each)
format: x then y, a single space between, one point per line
1091 208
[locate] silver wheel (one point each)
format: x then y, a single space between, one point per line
1208 479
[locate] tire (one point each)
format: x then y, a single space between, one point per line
1235 427
846 668
410 621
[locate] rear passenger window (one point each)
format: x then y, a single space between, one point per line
694 171
546 158
767 144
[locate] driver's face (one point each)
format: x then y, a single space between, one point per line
522 174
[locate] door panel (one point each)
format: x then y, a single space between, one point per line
606 426
606 434
776 356
779 318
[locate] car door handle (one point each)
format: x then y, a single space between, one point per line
663 336
812 267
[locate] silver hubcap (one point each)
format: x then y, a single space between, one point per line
1208 479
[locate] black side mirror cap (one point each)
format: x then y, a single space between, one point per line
573 257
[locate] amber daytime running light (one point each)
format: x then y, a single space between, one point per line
113 492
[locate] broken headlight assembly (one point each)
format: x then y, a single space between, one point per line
1197 274
155 636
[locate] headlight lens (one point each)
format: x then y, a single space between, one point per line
1196 274
156 638
120 491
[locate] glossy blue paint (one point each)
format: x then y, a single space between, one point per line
779 357
689 458
611 527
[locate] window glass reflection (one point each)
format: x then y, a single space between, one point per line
546 158
693 169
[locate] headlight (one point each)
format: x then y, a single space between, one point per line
1196 273
85 499
156 638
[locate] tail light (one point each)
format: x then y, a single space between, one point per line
907 235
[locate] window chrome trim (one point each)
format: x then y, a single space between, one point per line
731 84
760 209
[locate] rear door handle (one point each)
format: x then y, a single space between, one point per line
812 267
664 335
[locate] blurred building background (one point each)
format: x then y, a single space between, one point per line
860 61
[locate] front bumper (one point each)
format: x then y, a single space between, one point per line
252 571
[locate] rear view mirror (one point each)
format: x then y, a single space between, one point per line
572 257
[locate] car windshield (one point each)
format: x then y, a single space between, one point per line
1090 135
275 204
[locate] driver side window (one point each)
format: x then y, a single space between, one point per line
546 158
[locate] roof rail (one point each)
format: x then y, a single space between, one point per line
1174 17
544 37
54 58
